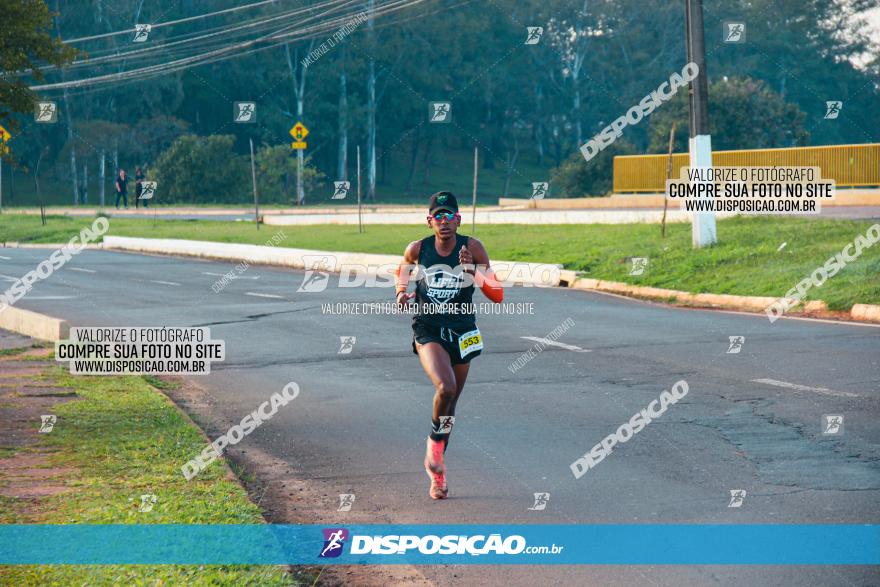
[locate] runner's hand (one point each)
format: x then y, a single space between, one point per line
466 259
404 298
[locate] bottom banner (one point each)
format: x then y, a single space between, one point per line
270 544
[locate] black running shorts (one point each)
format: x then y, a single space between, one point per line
462 344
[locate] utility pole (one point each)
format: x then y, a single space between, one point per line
474 199
703 231
360 222
254 178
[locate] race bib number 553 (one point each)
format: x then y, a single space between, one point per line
470 342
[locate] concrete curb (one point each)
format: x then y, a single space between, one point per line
865 312
296 258
540 274
33 324
17 245
842 197
701 300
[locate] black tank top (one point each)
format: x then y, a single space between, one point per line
440 295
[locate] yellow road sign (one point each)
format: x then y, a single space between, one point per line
298 145
4 134
299 132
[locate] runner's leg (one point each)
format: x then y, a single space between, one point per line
438 367
461 373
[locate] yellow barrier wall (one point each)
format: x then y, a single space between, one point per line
848 165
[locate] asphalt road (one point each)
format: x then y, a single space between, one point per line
361 419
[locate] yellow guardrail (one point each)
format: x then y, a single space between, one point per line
847 165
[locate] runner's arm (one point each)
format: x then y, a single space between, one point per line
484 277
409 261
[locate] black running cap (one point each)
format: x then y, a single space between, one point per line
442 201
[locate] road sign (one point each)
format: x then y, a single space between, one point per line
299 132
298 145
4 135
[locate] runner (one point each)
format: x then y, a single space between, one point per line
445 337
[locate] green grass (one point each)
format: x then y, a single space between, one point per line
124 439
745 262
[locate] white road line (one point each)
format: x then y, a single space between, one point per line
8 278
5 258
822 390
81 269
231 276
49 297
549 342
262 295
163 282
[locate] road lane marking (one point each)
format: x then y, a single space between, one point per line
231 276
822 390
50 297
8 277
163 282
5 258
548 342
262 295
81 269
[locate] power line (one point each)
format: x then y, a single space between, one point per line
277 38
172 22
194 38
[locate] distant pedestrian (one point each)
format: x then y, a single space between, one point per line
122 189
139 178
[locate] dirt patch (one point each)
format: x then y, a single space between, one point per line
285 496
28 394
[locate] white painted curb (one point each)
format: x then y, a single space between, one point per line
539 274
865 312
33 324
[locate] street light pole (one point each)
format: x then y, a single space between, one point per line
703 231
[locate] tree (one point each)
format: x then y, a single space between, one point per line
25 40
201 169
275 166
577 177
743 114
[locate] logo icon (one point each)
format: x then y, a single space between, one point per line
346 500
440 112
639 264
346 344
141 32
47 423
539 189
736 344
340 190
533 35
245 112
832 109
736 498
442 285
148 190
734 32
148 500
832 424
317 272
541 501
334 540
446 424
46 112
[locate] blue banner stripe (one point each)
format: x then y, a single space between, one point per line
269 544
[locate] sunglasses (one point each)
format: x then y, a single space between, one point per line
449 216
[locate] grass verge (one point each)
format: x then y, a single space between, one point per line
121 439
747 261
